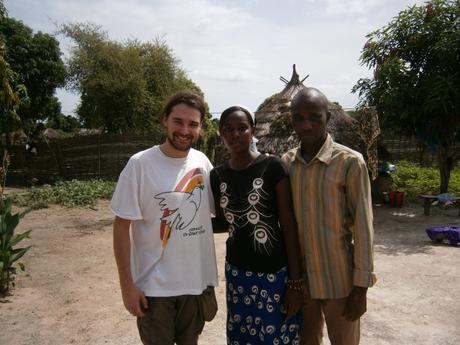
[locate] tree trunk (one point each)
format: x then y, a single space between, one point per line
446 164
8 139
422 153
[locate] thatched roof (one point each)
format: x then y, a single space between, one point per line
51 133
15 138
275 134
278 103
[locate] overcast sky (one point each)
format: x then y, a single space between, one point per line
235 50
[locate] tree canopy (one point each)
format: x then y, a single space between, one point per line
123 85
3 12
416 82
36 58
12 96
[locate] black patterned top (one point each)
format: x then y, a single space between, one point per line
248 200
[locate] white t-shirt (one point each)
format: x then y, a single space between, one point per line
169 202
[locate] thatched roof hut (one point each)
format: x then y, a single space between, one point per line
50 133
275 134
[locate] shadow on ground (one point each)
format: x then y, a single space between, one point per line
401 231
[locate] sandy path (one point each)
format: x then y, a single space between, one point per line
70 294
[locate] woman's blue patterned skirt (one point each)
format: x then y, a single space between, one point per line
255 313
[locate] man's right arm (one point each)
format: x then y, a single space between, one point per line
133 298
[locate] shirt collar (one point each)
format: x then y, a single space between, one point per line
324 154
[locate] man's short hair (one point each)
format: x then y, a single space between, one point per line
190 98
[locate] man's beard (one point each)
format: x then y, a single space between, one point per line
179 145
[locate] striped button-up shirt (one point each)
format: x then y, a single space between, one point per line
333 209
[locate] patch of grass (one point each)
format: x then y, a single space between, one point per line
74 193
415 179
409 177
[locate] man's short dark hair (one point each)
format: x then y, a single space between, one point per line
188 97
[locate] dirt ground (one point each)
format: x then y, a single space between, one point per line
69 293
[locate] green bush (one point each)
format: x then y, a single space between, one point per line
67 193
9 252
409 177
415 179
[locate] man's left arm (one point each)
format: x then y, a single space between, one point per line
359 204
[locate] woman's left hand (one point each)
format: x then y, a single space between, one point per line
293 301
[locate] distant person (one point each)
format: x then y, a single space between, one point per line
34 139
262 269
332 204
253 145
163 239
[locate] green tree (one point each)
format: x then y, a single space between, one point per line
65 123
12 95
9 252
3 11
36 58
123 86
416 82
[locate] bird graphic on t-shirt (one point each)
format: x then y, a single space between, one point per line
181 206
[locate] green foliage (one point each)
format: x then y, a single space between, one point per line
353 113
67 193
415 179
123 85
416 83
36 58
281 125
3 12
63 123
12 95
9 253
415 60
269 102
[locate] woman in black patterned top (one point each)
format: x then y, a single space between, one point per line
262 269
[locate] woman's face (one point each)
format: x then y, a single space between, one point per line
237 132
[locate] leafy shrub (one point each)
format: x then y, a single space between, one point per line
281 125
67 193
9 252
415 179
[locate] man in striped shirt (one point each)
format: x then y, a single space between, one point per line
333 209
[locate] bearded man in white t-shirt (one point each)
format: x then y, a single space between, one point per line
162 233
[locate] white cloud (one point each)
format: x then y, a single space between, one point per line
237 50
359 8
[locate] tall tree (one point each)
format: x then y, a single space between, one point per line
36 58
3 12
64 123
12 95
122 85
416 82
